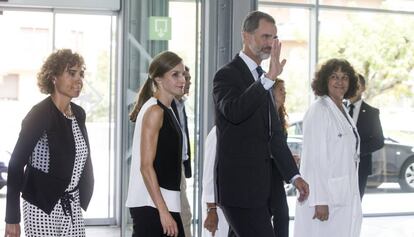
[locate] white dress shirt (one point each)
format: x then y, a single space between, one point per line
208 186
266 82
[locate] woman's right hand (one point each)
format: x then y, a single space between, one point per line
168 224
12 230
321 212
211 221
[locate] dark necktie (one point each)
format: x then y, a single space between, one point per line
351 110
351 113
259 71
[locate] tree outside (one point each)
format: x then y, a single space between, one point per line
381 48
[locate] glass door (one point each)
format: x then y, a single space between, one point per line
137 54
92 36
28 37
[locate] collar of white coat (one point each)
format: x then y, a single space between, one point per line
341 117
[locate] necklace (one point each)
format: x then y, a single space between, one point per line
68 113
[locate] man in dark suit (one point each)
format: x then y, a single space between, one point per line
178 106
248 138
369 128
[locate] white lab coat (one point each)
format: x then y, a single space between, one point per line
329 164
208 186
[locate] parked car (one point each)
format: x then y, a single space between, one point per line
394 163
4 161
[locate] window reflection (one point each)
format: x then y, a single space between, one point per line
27 38
384 58
91 35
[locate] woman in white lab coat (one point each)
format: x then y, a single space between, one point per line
330 157
215 223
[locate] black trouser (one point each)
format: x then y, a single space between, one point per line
365 166
146 222
278 205
280 214
249 222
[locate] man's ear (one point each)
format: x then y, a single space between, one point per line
363 89
245 36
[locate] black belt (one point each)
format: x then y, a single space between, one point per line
65 202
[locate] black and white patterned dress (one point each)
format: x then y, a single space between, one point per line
37 222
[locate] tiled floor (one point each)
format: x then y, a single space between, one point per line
401 226
397 226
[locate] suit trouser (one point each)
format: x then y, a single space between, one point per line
249 222
280 213
363 171
278 205
185 206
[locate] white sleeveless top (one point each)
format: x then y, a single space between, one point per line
138 195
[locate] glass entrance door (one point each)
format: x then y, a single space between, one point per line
28 37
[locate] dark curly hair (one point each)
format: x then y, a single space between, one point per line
320 82
54 66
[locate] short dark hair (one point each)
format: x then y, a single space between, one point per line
361 79
187 75
251 22
320 82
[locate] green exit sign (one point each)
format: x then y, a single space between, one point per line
160 28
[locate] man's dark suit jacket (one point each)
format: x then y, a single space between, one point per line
245 143
186 163
370 132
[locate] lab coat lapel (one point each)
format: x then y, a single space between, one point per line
344 125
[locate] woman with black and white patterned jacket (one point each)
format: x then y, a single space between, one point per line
51 165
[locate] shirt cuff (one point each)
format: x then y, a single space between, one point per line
292 181
209 198
266 82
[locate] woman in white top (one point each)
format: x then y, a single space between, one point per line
215 223
154 183
330 157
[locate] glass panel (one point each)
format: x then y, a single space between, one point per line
399 5
183 42
91 36
139 53
29 41
26 39
385 60
293 31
